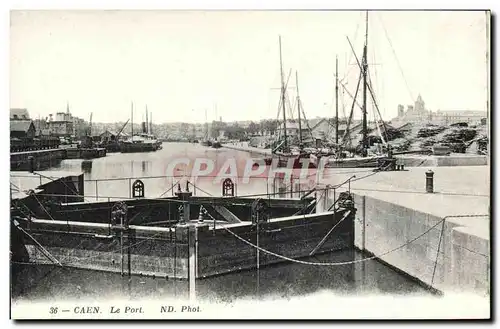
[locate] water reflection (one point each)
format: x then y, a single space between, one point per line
124 168
284 281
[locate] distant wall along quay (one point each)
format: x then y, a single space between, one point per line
43 159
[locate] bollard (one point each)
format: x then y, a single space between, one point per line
31 164
429 181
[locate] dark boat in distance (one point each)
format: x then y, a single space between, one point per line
216 144
142 142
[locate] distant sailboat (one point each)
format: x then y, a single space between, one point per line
206 140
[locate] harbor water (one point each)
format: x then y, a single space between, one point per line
111 177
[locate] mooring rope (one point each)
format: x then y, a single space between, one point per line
41 205
170 188
437 252
348 262
196 187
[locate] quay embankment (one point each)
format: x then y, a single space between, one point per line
452 160
85 153
440 237
44 159
243 146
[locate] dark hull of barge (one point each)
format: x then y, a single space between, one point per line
158 243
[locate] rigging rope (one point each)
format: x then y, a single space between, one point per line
346 132
396 57
349 67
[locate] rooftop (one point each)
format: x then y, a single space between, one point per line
19 114
20 125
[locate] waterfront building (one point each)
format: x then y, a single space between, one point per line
22 129
62 125
21 126
418 113
292 129
110 135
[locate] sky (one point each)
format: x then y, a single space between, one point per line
188 65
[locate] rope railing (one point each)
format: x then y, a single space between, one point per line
378 256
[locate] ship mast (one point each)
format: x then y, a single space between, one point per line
206 125
285 146
132 119
299 108
365 85
147 121
336 100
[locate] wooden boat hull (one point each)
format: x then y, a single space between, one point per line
370 162
283 161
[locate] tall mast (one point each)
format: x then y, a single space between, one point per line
298 107
285 148
365 84
206 124
132 118
336 99
151 123
147 120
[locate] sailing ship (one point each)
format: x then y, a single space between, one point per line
141 142
207 140
359 155
282 152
